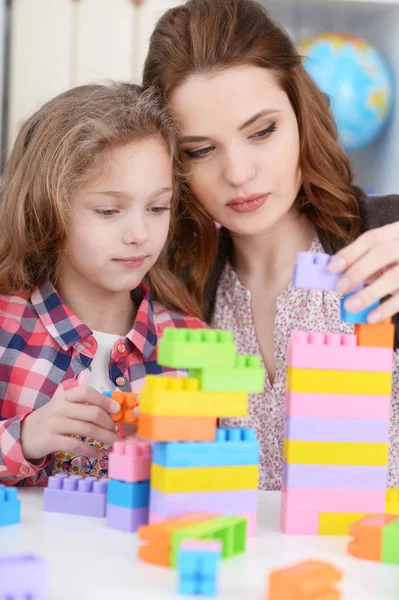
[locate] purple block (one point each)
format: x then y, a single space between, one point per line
310 271
240 502
321 429
23 576
334 477
76 495
126 519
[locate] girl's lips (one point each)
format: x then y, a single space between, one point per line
249 204
131 263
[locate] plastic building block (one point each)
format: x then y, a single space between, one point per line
10 506
196 349
368 536
126 519
76 495
390 543
356 317
128 495
392 502
181 396
23 576
128 402
336 382
177 429
239 502
380 335
157 551
250 518
231 531
204 479
337 523
337 406
130 461
233 447
336 430
330 500
335 477
335 453
299 522
311 272
246 376
336 351
307 580
198 566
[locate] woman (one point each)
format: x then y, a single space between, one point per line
260 147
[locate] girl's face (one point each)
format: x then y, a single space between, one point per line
240 146
120 218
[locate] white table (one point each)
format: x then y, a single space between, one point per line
89 561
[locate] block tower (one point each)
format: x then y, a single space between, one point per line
197 466
337 418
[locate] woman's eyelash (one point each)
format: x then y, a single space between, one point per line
264 133
106 212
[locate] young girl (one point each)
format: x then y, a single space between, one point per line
260 147
87 204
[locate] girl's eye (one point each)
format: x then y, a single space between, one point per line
106 212
156 210
198 153
265 132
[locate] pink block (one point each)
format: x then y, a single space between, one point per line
130 461
299 523
326 500
335 351
345 406
203 545
251 527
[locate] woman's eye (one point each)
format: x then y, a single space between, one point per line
265 132
198 153
106 212
159 209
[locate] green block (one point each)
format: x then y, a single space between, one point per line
231 531
247 375
390 543
196 348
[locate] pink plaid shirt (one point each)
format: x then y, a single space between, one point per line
45 349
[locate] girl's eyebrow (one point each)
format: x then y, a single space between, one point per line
202 138
120 194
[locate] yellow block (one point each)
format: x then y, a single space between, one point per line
204 479
338 382
336 453
337 523
181 396
392 503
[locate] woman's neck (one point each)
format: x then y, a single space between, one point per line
99 309
268 258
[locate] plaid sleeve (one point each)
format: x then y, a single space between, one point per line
13 465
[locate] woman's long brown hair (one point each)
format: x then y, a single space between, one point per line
55 151
207 36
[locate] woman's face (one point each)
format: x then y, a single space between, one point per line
240 147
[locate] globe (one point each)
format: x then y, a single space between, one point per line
358 82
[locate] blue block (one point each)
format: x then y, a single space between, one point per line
232 447
10 506
358 317
129 495
198 571
187 586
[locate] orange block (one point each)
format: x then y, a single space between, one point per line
380 335
367 534
128 402
176 429
306 580
158 549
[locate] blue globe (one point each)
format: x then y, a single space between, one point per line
357 80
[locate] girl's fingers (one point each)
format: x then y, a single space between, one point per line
71 445
387 283
87 430
88 413
375 260
85 394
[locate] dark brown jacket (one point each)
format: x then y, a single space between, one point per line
375 211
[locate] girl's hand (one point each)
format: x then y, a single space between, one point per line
374 258
81 411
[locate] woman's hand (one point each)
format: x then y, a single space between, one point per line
373 258
81 411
